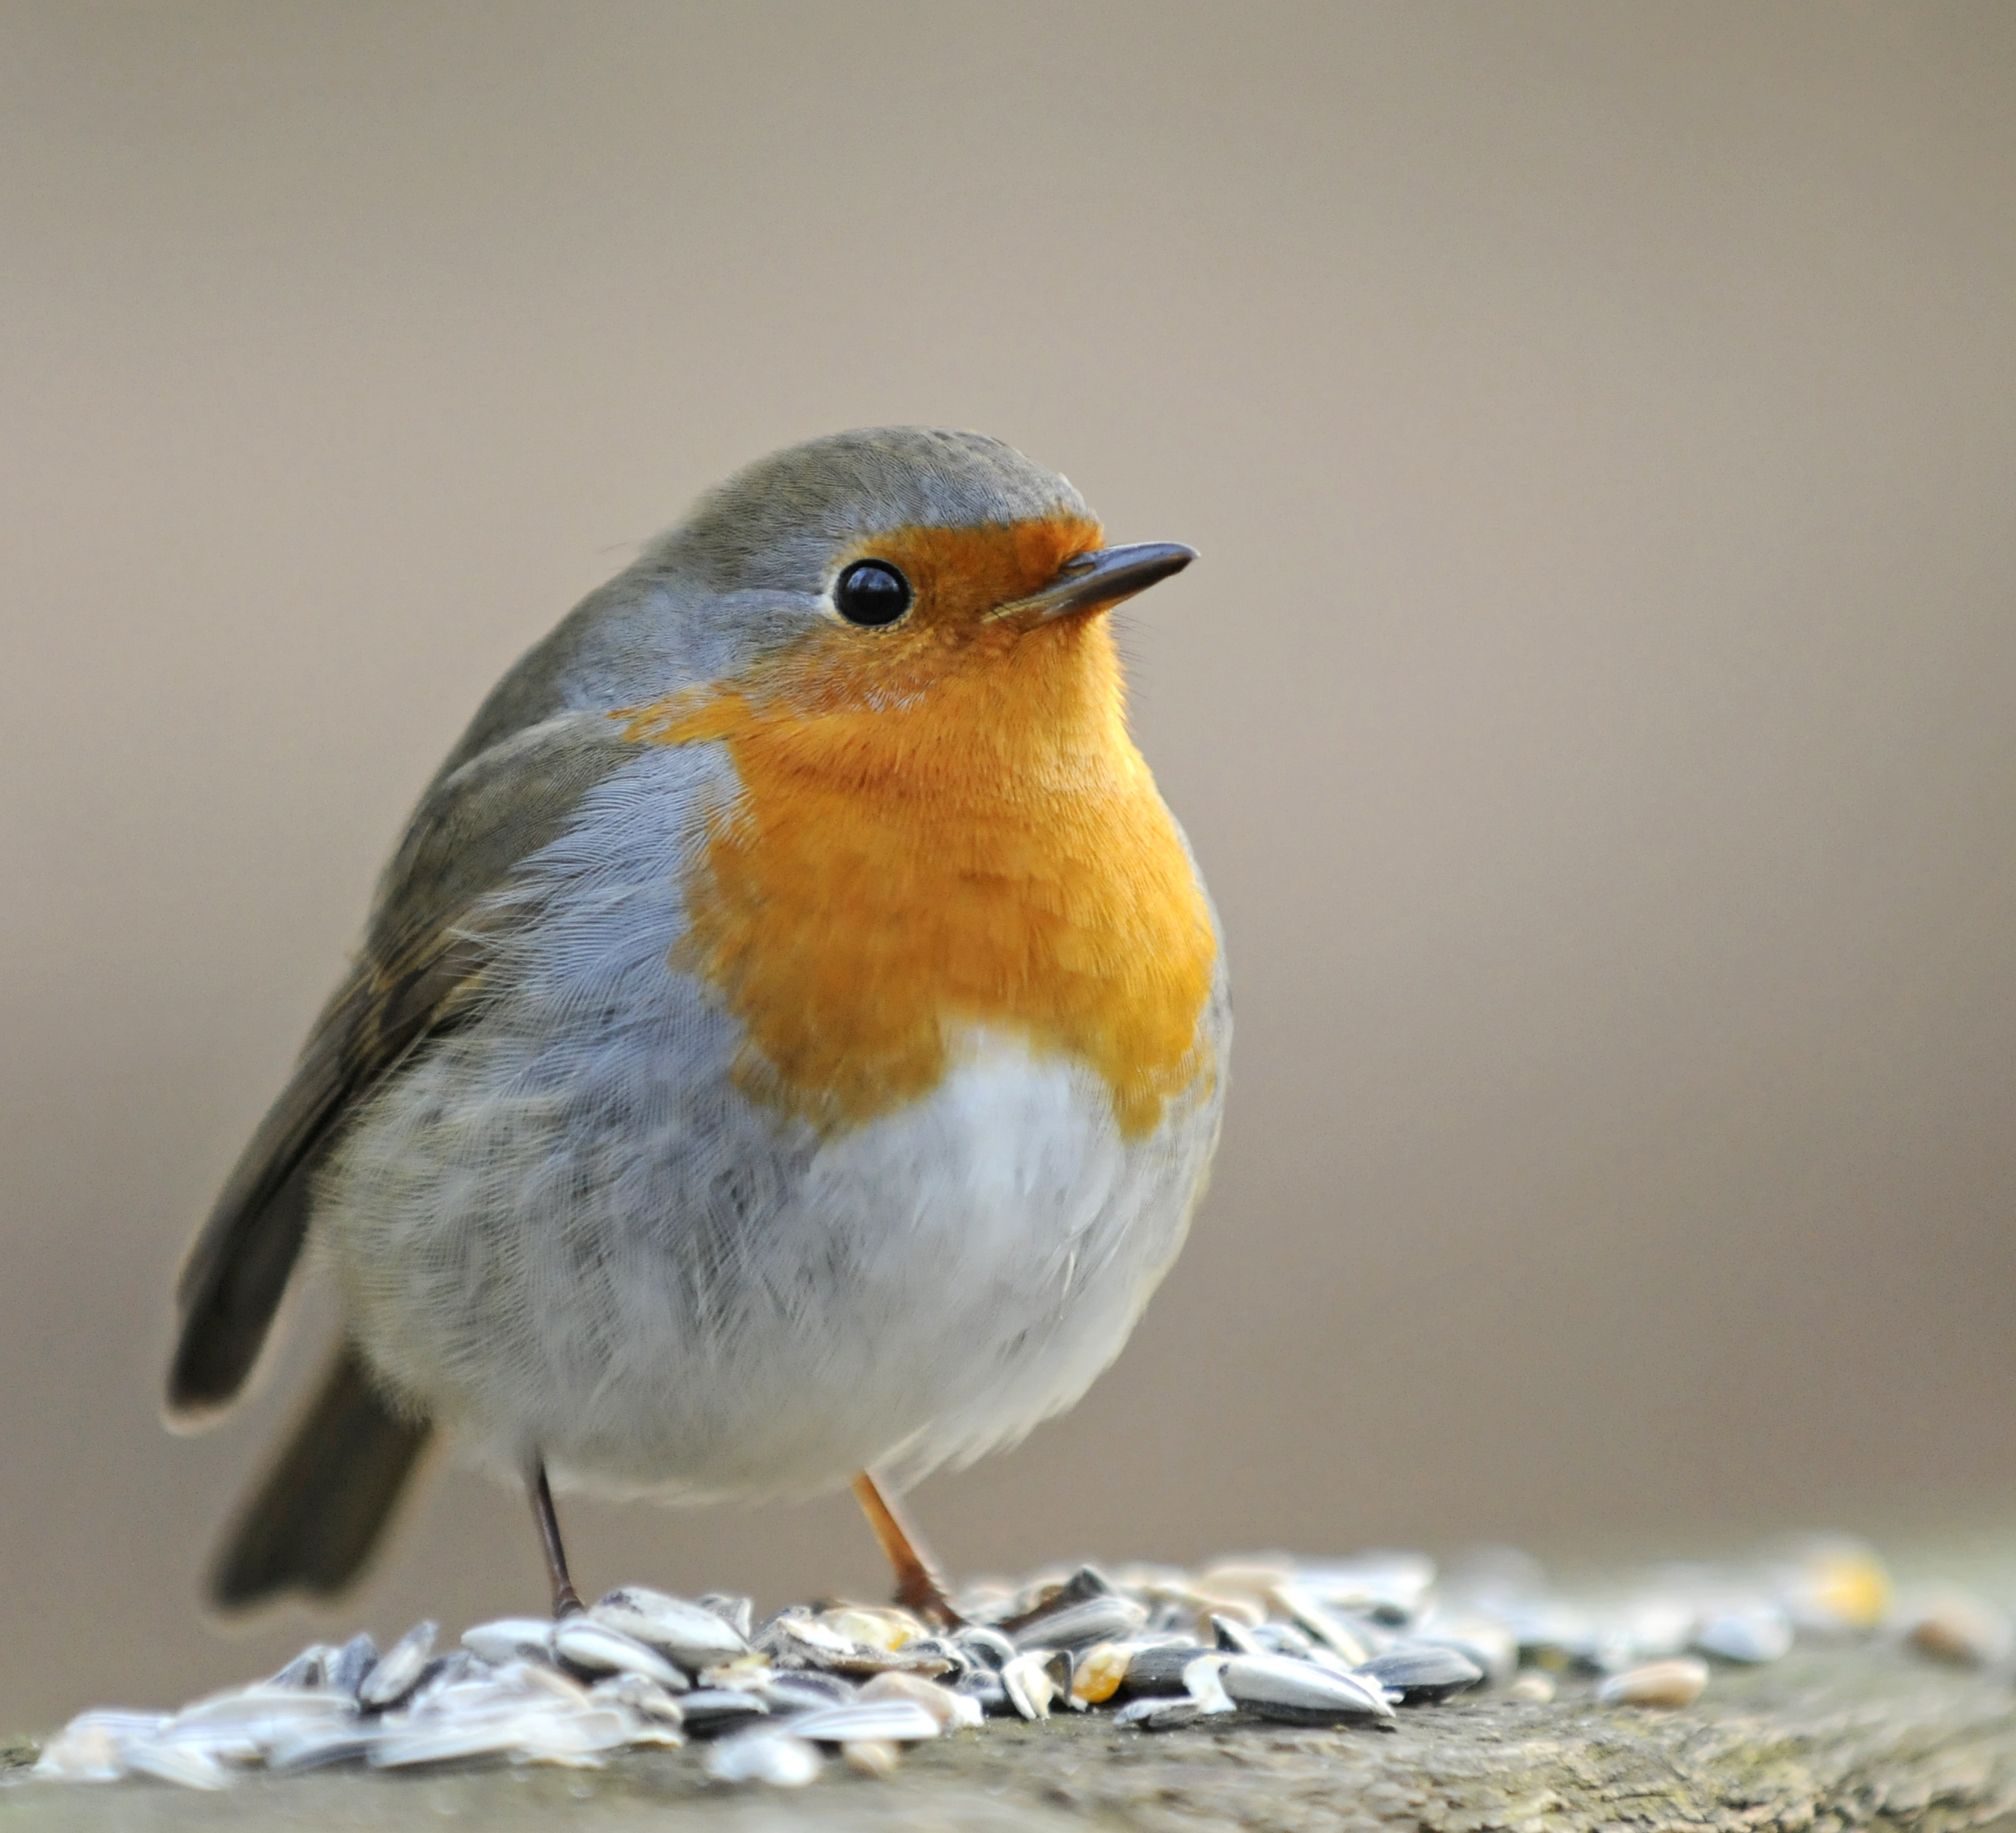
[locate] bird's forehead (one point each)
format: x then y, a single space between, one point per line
783 522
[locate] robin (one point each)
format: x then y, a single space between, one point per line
787 1045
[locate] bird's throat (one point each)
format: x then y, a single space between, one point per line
985 850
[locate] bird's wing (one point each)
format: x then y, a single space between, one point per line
432 935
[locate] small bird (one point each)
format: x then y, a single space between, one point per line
787 1045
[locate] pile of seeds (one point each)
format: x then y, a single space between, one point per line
1342 1643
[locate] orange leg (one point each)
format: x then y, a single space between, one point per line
918 1587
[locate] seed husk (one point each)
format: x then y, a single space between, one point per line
1670 1683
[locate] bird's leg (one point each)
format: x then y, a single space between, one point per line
918 1586
567 1599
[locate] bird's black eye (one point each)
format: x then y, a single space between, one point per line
872 592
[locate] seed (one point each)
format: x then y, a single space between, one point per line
1325 1624
1422 1672
1204 1680
1100 1669
308 1669
1675 1683
646 1698
784 1762
399 1671
511 1638
885 1629
1299 1692
1150 1713
590 1648
1833 1582
709 1709
353 1660
890 1721
949 1708
1957 1626
1033 1680
689 1633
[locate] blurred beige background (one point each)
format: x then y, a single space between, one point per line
1595 708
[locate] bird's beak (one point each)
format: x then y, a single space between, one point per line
1094 581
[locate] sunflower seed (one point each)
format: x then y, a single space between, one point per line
888 1630
1158 1670
738 1613
989 1648
928 1650
516 1680
1154 1713
709 1710
690 1634
318 1746
555 1733
1204 1680
803 1690
645 1697
1080 1624
353 1660
794 1639
593 1648
308 1669
949 1708
797 1639
1236 1637
983 1687
1281 1639
1301 1693
1032 1681
92 1747
1350 1640
398 1672
1083 1609
188 1767
237 1705
782 1761
511 1639
895 1721
1421 1672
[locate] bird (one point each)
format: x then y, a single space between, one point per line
786 1048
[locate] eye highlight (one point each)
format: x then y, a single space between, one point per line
872 592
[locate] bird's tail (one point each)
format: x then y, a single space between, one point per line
315 1521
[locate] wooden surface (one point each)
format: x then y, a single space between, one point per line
1824 1741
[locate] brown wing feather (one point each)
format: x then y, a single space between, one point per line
421 973
232 1284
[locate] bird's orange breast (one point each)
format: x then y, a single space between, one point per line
942 828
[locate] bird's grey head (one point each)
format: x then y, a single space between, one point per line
764 559
885 537
784 523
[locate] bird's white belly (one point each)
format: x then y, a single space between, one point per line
913 1291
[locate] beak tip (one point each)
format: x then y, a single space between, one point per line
1103 577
